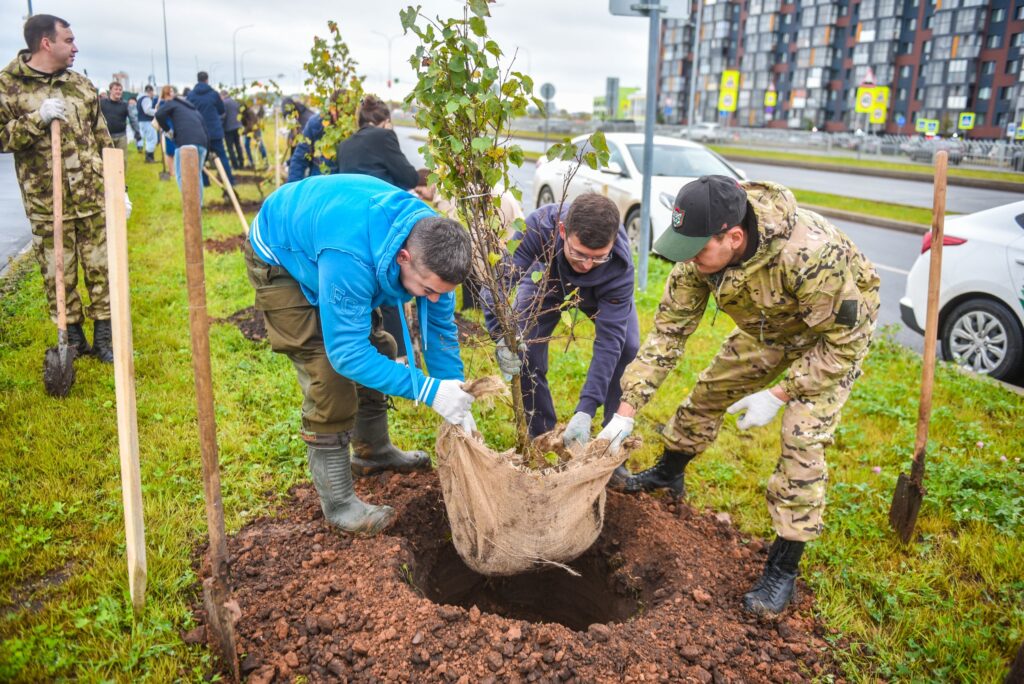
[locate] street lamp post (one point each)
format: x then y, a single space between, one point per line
234 52
241 63
389 39
167 53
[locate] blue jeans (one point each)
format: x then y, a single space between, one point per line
202 160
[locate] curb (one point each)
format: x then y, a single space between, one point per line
868 219
985 184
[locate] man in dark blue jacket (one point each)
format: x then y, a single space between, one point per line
323 254
584 250
304 161
208 102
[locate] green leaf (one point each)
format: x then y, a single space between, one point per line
479 8
551 457
493 258
456 144
513 245
482 143
457 63
536 276
567 319
451 107
478 26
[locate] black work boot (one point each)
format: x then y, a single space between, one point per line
774 590
667 473
102 343
372 447
332 476
619 477
149 158
77 341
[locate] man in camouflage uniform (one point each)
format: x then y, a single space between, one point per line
805 302
37 87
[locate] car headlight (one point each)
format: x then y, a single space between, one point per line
668 201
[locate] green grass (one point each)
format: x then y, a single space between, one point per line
950 607
842 163
889 210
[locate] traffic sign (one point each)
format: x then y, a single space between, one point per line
877 115
921 125
670 9
727 101
931 126
730 80
771 98
547 91
880 96
901 120
727 91
965 121
865 98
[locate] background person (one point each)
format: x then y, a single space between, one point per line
39 86
182 122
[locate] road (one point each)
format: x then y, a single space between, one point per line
15 232
959 199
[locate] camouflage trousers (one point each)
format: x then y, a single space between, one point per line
743 365
85 243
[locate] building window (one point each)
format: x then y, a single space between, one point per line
995 41
901 94
1017 40
988 68
1012 66
984 93
906 70
1020 12
997 16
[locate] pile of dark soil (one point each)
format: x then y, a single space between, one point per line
469 330
248 206
224 245
249 321
658 599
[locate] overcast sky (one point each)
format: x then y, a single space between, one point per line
573 44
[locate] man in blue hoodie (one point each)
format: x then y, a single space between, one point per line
323 254
208 102
304 161
584 250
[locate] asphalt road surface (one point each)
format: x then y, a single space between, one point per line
959 199
15 232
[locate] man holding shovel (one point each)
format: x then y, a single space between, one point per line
323 254
805 302
37 87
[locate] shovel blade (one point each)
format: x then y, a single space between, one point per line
221 614
906 502
58 371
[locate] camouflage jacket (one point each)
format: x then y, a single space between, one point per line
806 288
84 135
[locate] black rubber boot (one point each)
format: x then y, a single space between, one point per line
373 450
776 587
149 158
102 344
619 477
77 341
332 476
667 473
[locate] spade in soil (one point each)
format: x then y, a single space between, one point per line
58 367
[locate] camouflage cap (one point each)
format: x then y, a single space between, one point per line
703 208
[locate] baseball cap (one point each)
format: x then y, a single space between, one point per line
703 208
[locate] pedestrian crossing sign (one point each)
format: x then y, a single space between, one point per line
920 125
966 121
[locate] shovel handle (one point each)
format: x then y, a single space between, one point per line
58 229
931 327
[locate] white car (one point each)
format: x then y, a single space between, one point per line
705 132
676 163
981 292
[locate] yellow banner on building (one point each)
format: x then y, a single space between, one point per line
728 91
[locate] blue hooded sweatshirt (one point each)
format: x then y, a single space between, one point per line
302 162
338 236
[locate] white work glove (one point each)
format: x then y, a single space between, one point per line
452 402
617 430
52 108
127 207
759 409
509 362
578 429
468 424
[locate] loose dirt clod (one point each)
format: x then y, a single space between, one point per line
401 607
224 245
249 322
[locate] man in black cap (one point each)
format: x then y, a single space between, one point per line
805 301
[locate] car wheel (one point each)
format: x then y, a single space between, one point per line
633 228
545 196
982 336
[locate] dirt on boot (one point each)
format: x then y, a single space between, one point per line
659 598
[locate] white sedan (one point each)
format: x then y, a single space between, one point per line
676 163
981 292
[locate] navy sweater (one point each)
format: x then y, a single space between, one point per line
180 116
605 294
208 102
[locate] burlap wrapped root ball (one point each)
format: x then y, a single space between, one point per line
508 518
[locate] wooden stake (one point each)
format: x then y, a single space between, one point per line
221 610
231 193
124 374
